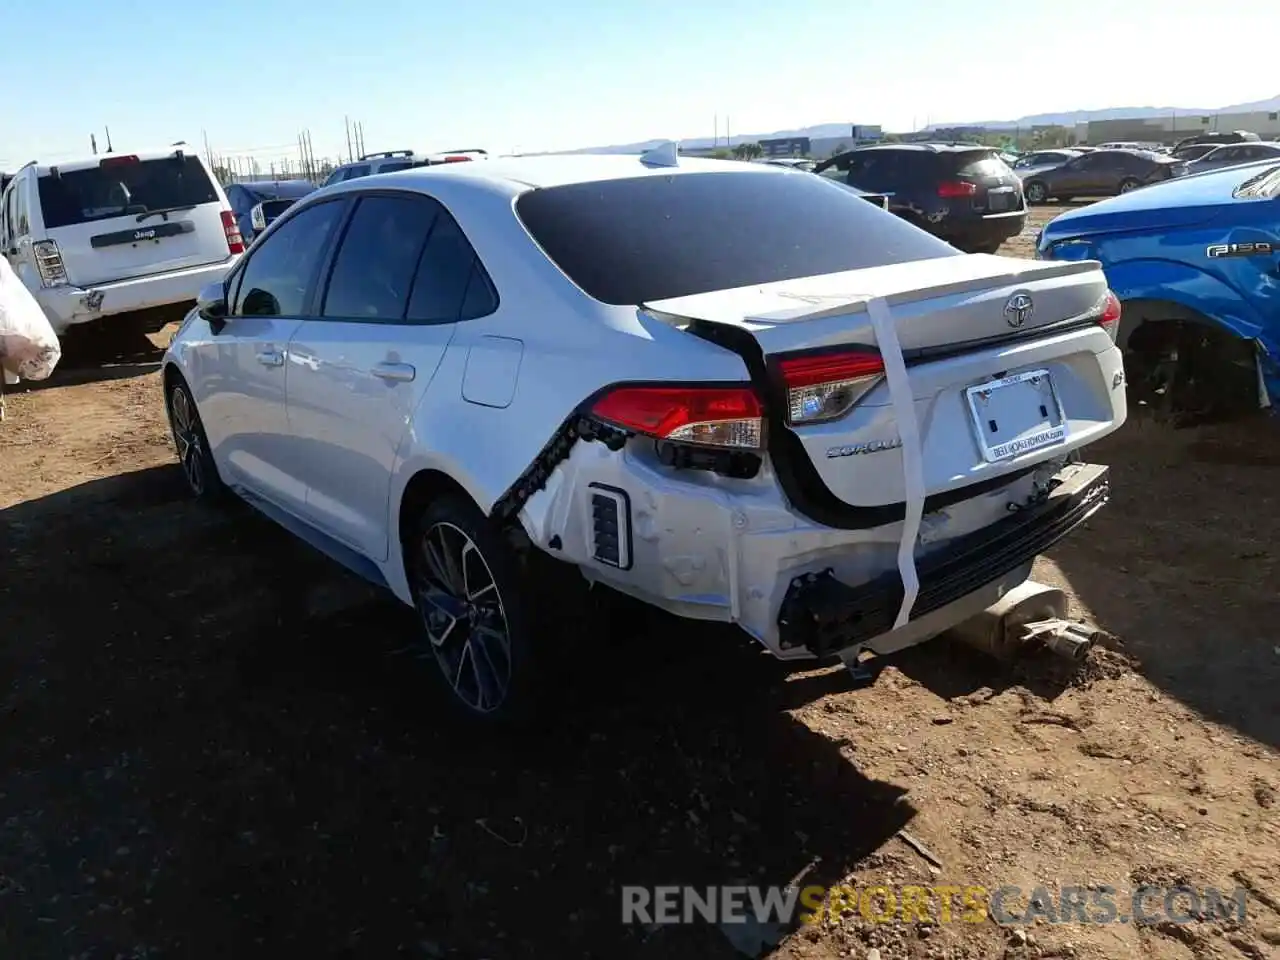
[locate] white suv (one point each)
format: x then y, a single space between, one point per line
737 392
117 233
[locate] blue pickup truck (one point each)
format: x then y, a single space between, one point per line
1196 265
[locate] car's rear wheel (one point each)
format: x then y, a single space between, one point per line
1035 192
468 593
1128 184
191 443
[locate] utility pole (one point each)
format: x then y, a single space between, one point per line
93 143
208 154
715 131
728 140
346 121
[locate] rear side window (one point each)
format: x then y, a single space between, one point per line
391 166
654 237
373 272
450 284
120 189
356 172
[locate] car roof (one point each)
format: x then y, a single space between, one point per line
927 147
87 163
515 175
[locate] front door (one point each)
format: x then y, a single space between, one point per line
241 387
399 283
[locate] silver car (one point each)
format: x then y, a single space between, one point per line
1233 154
1041 161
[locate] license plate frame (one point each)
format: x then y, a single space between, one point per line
1047 430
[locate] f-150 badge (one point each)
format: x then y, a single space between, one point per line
1260 248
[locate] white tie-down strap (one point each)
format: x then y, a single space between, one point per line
904 409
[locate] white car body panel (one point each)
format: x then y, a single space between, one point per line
334 447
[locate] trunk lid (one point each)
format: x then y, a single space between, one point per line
950 315
128 217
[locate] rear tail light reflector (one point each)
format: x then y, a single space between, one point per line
53 272
957 188
1109 319
714 416
235 242
822 387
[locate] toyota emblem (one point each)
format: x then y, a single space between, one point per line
1019 309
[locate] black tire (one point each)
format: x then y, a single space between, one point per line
475 617
1035 191
191 443
1129 184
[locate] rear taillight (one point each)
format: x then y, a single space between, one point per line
957 188
1109 319
53 273
121 161
457 159
235 242
826 386
687 413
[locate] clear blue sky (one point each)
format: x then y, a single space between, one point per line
505 74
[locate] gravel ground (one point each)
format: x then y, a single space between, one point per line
190 768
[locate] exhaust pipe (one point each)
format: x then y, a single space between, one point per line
1030 612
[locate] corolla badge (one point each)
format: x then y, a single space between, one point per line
857 449
1018 309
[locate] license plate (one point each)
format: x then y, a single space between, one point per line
1016 415
1000 198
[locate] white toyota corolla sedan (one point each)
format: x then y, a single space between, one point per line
737 392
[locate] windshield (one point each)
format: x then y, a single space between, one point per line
650 238
119 189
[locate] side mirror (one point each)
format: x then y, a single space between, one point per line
211 303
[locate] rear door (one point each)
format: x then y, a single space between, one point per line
127 217
401 280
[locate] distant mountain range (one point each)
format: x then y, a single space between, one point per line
835 130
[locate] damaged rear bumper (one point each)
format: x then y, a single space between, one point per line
823 616
713 548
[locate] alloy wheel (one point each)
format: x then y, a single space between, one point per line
464 617
186 437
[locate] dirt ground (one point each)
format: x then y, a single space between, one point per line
186 771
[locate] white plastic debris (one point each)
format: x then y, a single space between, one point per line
29 348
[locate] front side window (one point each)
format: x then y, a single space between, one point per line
275 281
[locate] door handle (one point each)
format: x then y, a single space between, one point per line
271 358
399 372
